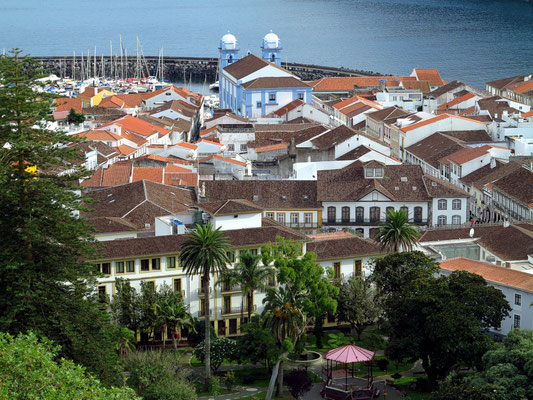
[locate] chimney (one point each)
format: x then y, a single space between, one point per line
201 192
292 148
492 163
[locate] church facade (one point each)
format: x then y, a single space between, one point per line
253 86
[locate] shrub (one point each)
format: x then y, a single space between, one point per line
229 379
221 349
396 376
298 383
214 386
382 364
158 375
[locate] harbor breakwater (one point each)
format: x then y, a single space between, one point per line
175 69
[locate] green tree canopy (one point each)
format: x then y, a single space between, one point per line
45 284
29 369
441 321
74 118
357 304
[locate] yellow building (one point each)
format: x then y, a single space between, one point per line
92 96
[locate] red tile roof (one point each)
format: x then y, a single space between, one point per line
527 114
124 149
188 145
288 107
138 126
457 100
116 174
491 272
521 87
208 131
147 173
65 104
272 147
429 74
99 135
344 84
466 155
436 119
223 159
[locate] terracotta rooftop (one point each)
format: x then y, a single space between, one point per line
446 88
334 137
502 83
465 155
429 74
288 107
99 135
425 122
435 147
220 158
491 272
389 114
517 184
423 86
247 65
171 244
347 245
233 206
268 194
275 82
355 154
66 104
346 84
457 101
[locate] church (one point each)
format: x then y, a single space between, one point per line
253 86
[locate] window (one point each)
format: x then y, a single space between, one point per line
231 256
253 252
516 321
281 218
231 147
456 220
102 297
244 148
301 96
387 210
227 304
456 204
177 285
358 267
359 214
418 215
374 214
518 299
360 232
105 268
369 172
332 214
405 210
272 97
294 219
270 215
259 105
345 214
441 220
443 204
145 265
308 219
337 269
233 326
119 267
378 172
130 266
156 264
171 262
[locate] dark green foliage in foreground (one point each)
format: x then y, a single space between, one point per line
157 375
45 285
29 369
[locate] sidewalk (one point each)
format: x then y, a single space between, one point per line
242 392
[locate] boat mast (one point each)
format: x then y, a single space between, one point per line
111 59
73 65
82 68
121 59
88 64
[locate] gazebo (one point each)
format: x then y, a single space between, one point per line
347 355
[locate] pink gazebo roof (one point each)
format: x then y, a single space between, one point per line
350 354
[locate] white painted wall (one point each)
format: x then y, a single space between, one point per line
449 212
237 221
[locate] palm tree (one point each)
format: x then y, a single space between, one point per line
396 233
205 253
172 313
250 275
283 315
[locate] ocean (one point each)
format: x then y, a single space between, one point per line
471 40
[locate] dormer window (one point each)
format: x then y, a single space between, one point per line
371 172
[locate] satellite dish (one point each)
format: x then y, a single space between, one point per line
471 234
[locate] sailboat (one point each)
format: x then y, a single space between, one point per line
215 86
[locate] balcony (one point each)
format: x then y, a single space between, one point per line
232 289
236 310
202 291
302 225
201 313
367 222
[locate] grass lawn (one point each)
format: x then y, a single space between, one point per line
262 395
371 340
404 384
259 377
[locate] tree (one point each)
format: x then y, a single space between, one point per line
250 275
29 370
156 375
205 253
125 306
45 282
442 322
396 233
394 272
172 313
221 349
509 366
298 382
357 304
74 118
284 317
257 344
